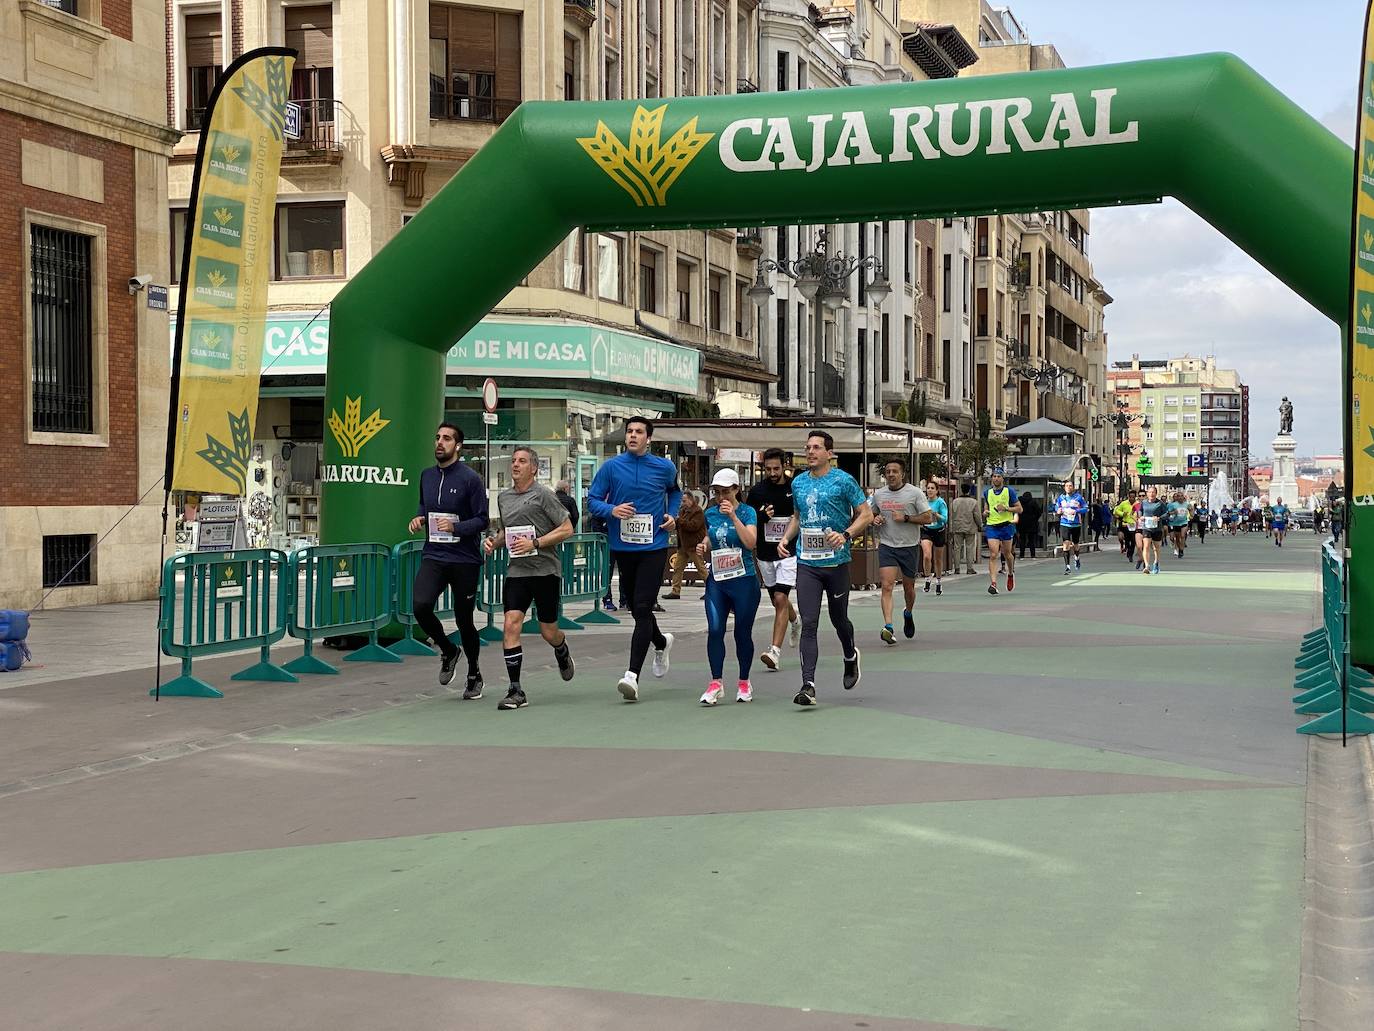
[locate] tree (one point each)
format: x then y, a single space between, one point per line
916 408
692 408
983 450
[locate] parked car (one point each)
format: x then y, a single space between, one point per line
1303 520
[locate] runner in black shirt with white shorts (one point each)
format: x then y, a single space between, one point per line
771 498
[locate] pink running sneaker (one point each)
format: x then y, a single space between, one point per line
714 693
745 692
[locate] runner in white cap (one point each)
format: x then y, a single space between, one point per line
731 585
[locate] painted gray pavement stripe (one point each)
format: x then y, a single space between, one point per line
119 993
230 800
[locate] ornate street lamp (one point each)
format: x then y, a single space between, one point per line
824 277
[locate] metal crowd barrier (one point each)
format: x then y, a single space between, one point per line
1339 694
340 589
217 602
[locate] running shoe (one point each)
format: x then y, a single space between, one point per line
794 632
1155 569
1011 582
1066 569
938 591
745 692
473 690
608 605
909 621
806 696
851 672
447 667
1077 564
714 693
515 699
926 589
661 656
565 664
1139 563
887 635
770 658
629 686
992 588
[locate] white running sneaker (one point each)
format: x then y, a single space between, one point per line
794 632
661 656
629 686
745 692
771 658
714 693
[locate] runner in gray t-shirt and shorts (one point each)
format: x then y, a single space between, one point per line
899 512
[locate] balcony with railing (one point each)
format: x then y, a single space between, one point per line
319 130
582 12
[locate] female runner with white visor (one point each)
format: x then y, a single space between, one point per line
731 584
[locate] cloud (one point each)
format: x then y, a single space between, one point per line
1180 287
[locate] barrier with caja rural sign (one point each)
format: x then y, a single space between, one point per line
212 603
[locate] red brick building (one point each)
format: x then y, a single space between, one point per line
83 230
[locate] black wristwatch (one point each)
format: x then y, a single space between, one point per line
847 535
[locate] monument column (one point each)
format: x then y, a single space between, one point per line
1284 483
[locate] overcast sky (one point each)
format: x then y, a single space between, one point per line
1180 287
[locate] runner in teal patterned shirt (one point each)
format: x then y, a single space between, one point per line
830 510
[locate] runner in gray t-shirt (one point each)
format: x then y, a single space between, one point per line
899 512
533 524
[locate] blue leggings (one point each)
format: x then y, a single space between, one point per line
741 595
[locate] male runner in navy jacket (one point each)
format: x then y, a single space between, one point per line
453 512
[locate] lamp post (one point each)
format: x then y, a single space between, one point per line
1122 419
821 276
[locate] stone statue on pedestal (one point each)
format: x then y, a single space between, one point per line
1285 416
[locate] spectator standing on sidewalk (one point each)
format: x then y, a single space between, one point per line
563 493
966 523
691 531
1028 526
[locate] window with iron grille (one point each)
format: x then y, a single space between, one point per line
60 296
204 38
67 560
67 6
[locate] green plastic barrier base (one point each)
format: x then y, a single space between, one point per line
1359 701
410 646
1312 648
1308 677
1314 635
488 635
186 686
372 652
1312 660
1355 723
268 671
564 623
310 664
597 616
1321 687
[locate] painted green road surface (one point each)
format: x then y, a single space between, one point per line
1119 900
1034 903
562 721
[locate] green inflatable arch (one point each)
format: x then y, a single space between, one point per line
1206 130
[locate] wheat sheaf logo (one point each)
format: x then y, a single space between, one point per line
223 216
647 167
230 152
349 431
216 278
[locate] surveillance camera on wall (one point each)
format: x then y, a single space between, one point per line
137 283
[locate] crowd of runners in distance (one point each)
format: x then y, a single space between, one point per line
787 535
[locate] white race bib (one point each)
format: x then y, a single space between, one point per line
515 533
774 530
437 535
637 529
727 563
813 545
1149 522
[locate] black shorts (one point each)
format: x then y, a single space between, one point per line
519 592
936 537
1152 535
1070 534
